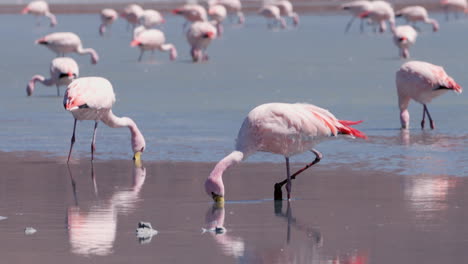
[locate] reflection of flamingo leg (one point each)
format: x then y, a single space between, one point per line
93 179
73 185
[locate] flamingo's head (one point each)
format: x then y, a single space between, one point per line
214 187
209 34
135 43
138 144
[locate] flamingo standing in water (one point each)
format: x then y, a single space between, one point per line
233 7
422 82
192 13
108 16
153 39
456 6
286 9
132 14
417 13
279 128
404 37
91 98
199 36
272 13
62 72
218 14
67 42
151 18
356 8
40 8
379 13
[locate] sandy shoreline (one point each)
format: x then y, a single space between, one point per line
301 6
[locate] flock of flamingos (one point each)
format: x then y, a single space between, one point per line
280 128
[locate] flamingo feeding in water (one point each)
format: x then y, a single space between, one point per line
67 42
456 6
199 36
192 13
272 14
379 13
91 98
108 16
404 37
62 72
151 18
422 82
153 39
233 7
417 13
356 8
286 9
132 14
280 128
218 14
40 8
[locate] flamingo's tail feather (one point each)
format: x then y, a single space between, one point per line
348 130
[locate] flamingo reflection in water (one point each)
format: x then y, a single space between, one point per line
92 231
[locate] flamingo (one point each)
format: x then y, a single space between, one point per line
151 18
192 13
380 12
356 8
62 72
91 98
40 8
108 16
218 14
404 37
153 39
280 128
455 6
233 7
417 13
286 9
199 36
67 42
272 13
132 14
422 82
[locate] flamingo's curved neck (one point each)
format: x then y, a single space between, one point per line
41 79
231 159
92 52
114 121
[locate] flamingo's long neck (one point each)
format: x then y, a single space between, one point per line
231 159
171 48
38 78
403 102
92 52
53 19
114 121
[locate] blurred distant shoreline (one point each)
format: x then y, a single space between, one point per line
300 6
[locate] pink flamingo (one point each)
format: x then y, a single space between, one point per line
380 12
421 81
153 39
151 18
279 128
272 13
132 14
67 42
356 8
91 98
199 36
62 72
417 13
233 7
286 9
218 14
404 37
108 16
455 6
192 13
40 8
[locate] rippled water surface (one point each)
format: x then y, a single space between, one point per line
398 197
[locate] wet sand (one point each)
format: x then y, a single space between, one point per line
300 6
340 212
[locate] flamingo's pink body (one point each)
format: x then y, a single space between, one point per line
192 12
132 14
280 128
40 8
153 39
356 8
199 36
404 37
108 16
91 98
218 14
456 6
62 72
272 13
151 18
233 7
417 13
67 42
421 82
286 9
380 12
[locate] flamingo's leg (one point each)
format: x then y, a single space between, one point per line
58 90
348 26
423 121
429 116
72 141
93 143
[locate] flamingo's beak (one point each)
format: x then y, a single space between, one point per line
208 35
402 39
137 159
70 74
218 199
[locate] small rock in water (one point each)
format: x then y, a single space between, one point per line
29 230
145 232
3 218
